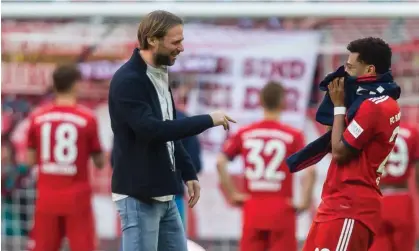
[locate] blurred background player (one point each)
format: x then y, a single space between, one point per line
397 230
62 136
269 221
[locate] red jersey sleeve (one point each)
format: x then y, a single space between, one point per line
95 145
233 146
362 128
31 134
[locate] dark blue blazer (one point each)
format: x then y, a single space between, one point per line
141 163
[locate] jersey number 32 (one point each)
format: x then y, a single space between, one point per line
262 172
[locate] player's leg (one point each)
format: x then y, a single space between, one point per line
404 226
382 243
47 232
339 235
383 240
284 239
404 238
254 239
80 230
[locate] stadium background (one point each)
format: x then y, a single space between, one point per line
36 37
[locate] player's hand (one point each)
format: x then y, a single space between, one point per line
220 118
194 192
337 91
238 199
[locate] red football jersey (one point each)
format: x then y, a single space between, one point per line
264 147
403 157
351 190
64 137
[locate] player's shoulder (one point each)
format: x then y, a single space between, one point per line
84 111
40 110
383 101
289 129
246 128
382 105
273 128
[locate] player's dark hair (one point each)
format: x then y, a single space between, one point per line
271 95
373 51
156 24
64 77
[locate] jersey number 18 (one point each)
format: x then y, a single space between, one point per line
59 146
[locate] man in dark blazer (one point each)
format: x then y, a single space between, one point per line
149 160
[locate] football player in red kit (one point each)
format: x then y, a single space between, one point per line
350 211
397 231
269 216
61 138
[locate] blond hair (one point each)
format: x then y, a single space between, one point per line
156 24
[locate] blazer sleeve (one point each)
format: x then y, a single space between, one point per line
130 105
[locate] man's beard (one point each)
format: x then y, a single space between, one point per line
162 59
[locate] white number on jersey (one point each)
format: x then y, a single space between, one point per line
383 164
64 148
398 162
264 176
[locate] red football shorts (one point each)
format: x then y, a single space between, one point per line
272 240
272 228
397 231
50 229
338 235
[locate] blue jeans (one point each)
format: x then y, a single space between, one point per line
150 227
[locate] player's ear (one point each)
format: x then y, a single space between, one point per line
371 69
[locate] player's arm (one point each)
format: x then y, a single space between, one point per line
31 144
95 147
231 148
225 178
308 181
131 105
31 157
341 151
360 130
98 159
